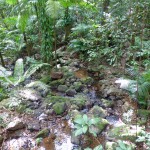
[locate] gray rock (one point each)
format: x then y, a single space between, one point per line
71 92
15 125
62 88
34 126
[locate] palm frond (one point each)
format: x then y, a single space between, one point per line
53 8
33 68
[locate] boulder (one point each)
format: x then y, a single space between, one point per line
15 125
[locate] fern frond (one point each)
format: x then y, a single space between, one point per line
39 85
52 8
19 68
33 68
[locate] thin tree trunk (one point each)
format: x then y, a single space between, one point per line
2 60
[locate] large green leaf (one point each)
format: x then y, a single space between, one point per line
19 69
11 2
79 121
85 129
85 118
94 121
78 132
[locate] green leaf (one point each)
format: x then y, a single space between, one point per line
92 132
11 2
85 118
94 121
85 128
121 144
78 132
88 148
79 121
99 147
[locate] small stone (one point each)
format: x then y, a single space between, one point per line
56 75
62 88
15 125
34 126
71 92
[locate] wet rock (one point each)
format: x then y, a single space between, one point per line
43 133
15 125
71 92
98 111
59 108
107 103
125 132
35 126
62 88
57 75
111 146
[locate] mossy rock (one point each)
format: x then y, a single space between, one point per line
98 111
107 103
62 88
79 100
78 86
56 83
87 80
43 133
45 79
100 126
59 108
55 99
125 132
21 108
10 103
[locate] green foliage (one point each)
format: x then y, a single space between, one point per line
123 146
144 137
83 125
99 147
19 75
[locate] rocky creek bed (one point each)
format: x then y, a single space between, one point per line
39 114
